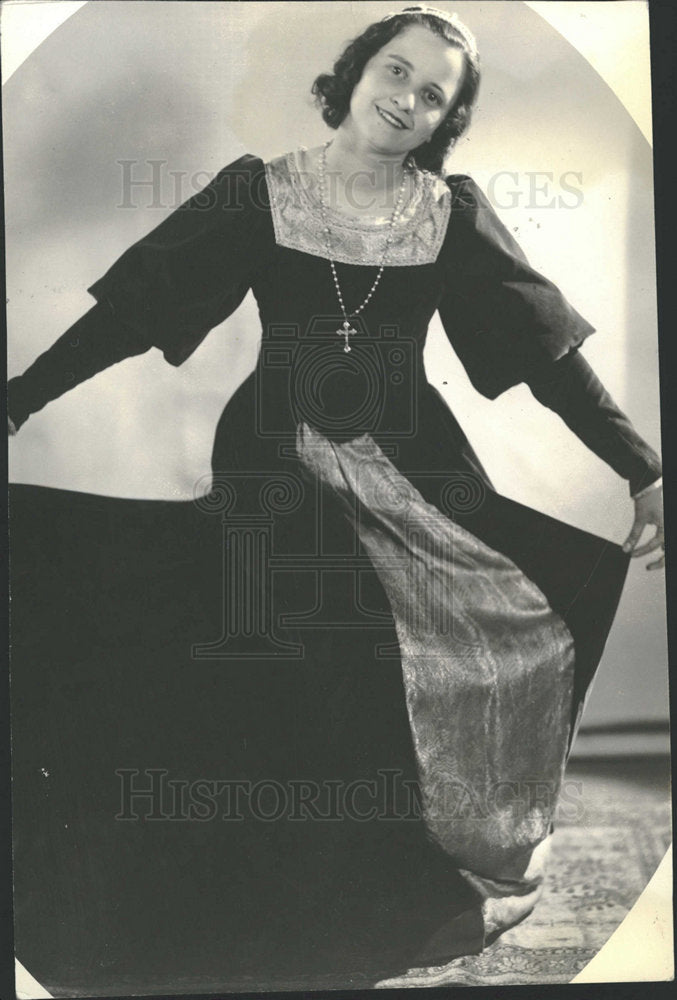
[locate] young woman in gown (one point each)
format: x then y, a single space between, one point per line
351 613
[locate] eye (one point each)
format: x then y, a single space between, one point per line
432 97
396 70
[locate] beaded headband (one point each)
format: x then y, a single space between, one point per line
442 15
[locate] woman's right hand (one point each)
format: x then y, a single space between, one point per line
11 429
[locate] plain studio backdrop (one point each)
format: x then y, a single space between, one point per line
170 92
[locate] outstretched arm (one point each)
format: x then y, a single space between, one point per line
571 389
509 324
168 290
94 342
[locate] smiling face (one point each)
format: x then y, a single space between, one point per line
405 91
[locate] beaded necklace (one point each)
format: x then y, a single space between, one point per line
346 329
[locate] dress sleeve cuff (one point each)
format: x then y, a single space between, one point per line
656 484
18 410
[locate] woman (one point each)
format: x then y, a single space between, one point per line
402 648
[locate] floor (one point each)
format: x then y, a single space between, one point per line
613 829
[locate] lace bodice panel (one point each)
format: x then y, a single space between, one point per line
417 237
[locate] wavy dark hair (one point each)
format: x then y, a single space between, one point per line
333 91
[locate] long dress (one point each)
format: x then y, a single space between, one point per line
310 729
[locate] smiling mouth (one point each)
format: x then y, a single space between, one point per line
391 119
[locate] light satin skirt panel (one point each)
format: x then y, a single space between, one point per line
488 669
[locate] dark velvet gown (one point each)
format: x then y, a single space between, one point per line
288 734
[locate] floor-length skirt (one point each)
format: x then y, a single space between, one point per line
242 763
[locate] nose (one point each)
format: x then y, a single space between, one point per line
404 101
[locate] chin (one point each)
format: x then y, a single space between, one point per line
400 143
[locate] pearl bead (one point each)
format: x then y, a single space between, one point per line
323 212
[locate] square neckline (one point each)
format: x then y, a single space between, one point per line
409 215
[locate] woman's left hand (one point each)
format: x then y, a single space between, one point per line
648 510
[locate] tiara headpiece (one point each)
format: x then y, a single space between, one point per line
452 19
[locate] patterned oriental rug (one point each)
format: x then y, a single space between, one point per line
610 838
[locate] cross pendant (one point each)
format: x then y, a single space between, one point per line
345 332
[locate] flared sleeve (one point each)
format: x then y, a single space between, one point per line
503 318
509 324
168 290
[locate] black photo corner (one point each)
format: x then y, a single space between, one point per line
73 710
